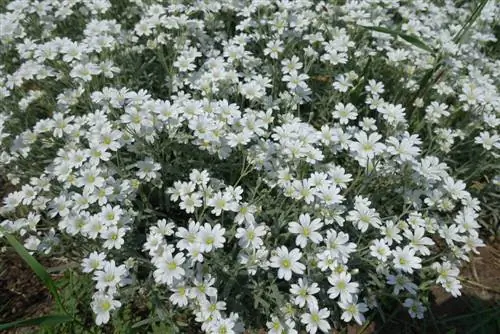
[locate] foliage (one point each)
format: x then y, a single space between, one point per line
232 165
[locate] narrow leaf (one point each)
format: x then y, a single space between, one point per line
412 39
470 21
37 268
146 321
49 320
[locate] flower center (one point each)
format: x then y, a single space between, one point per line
109 278
106 306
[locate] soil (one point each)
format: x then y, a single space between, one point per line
22 293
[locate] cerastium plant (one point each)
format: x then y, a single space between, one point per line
282 164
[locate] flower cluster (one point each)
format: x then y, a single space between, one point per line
257 163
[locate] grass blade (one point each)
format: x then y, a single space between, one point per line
412 39
37 268
470 21
145 322
49 320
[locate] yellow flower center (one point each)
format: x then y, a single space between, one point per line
106 306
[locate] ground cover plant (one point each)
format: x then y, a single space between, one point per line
239 165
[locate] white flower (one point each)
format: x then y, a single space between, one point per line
342 83
210 308
290 65
275 326
110 276
304 190
163 228
435 111
295 80
415 308
12 200
203 288
304 292
148 169
102 195
211 237
315 320
222 326
374 87
169 268
391 232
306 230
345 112
153 243
274 48
368 124
362 216
251 235
32 243
401 282
61 124
353 310
453 286
330 195
393 114
84 71
107 138
338 246
287 262
445 271
488 141
180 189
179 295
380 250
418 241
190 202
254 259
245 213
102 304
366 146
222 202
188 236
472 241
111 215
326 261
456 189
90 179
450 234
201 178
114 237
195 253
405 149
342 285
405 259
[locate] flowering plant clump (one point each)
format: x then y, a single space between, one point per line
283 164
